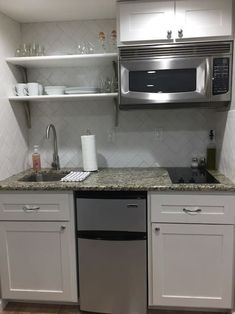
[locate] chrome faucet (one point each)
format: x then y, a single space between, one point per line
56 161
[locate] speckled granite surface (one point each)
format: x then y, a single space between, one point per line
135 179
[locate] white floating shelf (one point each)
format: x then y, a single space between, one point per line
64 61
64 97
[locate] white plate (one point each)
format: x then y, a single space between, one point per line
82 88
54 87
82 92
54 92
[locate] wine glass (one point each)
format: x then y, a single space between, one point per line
102 40
113 40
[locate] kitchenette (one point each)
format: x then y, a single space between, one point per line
117 177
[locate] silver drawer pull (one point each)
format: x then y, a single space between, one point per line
132 205
30 208
192 211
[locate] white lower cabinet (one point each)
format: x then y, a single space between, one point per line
190 263
37 261
38 255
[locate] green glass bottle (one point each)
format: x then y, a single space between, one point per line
211 152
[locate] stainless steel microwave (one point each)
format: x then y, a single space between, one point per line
181 75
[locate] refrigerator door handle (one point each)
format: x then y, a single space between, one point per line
111 235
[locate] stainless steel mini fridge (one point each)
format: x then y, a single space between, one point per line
111 234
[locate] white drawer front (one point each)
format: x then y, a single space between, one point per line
35 206
191 208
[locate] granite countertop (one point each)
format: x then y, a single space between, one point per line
132 179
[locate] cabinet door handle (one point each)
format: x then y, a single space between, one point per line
30 208
169 34
198 210
157 229
180 33
62 228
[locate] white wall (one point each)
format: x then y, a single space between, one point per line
13 132
226 143
226 132
133 143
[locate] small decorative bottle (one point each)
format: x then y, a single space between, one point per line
36 159
194 163
211 151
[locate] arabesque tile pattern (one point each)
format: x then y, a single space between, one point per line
134 142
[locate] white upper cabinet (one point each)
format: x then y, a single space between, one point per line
148 21
203 18
169 21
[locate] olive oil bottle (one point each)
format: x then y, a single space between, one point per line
211 152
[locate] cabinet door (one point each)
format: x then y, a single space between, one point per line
192 265
38 261
203 18
146 21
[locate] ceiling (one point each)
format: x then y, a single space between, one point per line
26 11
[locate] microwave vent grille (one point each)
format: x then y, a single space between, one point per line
162 51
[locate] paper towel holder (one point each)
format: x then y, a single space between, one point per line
88 132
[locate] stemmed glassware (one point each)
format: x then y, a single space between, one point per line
102 40
30 50
108 43
85 48
113 40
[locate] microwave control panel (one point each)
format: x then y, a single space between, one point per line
220 83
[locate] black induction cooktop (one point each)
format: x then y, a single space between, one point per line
191 175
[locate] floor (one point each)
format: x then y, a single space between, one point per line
26 308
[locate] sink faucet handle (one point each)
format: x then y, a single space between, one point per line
56 162
54 165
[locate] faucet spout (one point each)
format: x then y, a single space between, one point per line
56 161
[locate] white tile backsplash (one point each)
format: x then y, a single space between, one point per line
134 141
13 131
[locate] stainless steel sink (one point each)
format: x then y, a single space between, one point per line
43 177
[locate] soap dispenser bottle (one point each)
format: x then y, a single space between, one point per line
36 159
211 151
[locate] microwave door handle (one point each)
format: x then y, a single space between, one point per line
207 77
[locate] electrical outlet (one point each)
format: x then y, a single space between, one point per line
111 136
158 134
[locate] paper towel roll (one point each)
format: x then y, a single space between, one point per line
89 153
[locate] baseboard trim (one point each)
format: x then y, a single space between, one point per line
3 304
